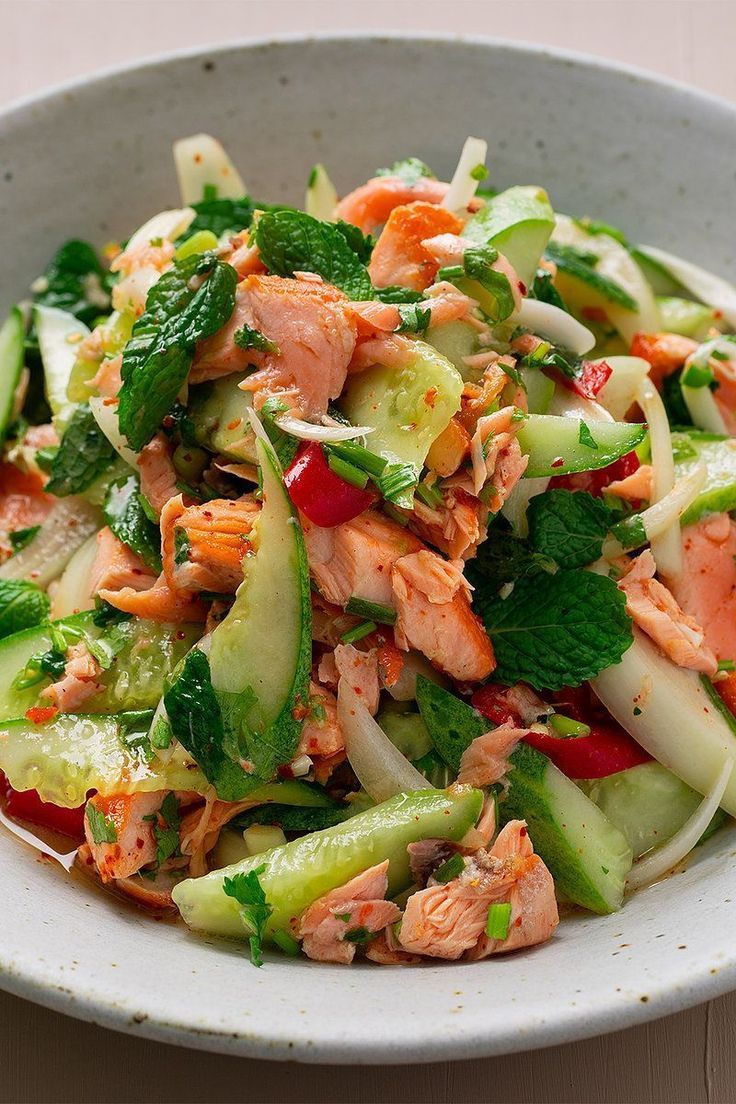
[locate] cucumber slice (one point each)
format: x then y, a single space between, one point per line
113 336
588 856
554 446
683 316
455 340
233 706
12 335
718 453
72 594
395 402
135 680
70 755
518 223
407 732
648 803
219 412
540 390
59 335
300 872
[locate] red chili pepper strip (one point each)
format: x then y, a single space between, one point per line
323 497
594 482
39 714
607 750
490 701
592 378
27 805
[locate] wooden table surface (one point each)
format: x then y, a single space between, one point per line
47 1057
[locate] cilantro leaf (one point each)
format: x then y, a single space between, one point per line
413 318
75 281
101 827
247 890
167 837
409 169
125 515
569 526
248 338
20 538
558 634
22 605
291 241
182 546
502 559
580 264
179 312
585 437
545 291
83 455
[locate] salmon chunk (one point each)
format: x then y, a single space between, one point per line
116 566
399 256
370 205
203 546
321 734
135 844
356 909
79 682
159 603
484 761
313 334
158 474
706 589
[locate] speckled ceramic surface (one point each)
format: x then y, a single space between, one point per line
93 160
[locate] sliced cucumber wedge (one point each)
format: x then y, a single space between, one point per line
300 872
558 445
518 223
718 453
12 334
59 335
219 412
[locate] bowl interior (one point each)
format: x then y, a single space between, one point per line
94 161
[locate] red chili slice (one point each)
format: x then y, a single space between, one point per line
607 750
27 805
323 497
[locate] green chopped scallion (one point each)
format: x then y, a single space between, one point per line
449 869
372 611
567 727
359 457
365 628
499 918
347 471
286 943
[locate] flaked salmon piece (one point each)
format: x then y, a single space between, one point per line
706 589
390 662
135 843
435 618
107 381
116 566
321 734
245 257
534 913
449 249
478 398
370 205
327 673
158 474
201 826
635 487
666 353
457 527
355 559
399 256
158 603
391 350
357 907
325 766
203 546
385 951
313 332
79 682
655 610
485 761
496 457
360 671
140 268
23 502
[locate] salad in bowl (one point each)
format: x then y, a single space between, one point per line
367 571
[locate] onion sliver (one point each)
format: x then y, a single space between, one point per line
464 184
559 327
663 858
167 225
380 767
619 391
105 414
667 545
308 431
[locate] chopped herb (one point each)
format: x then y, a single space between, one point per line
373 611
83 455
129 520
102 828
359 935
343 917
410 170
479 172
248 338
430 494
585 437
361 244
22 605
397 294
413 318
544 290
359 457
247 890
364 629
105 614
21 538
696 376
499 918
347 471
568 526
726 665
396 481
75 281
292 241
167 837
450 869
631 532
182 545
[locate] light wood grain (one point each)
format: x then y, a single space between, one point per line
47 1057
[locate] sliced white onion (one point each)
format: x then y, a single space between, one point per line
700 401
66 860
59 336
200 161
661 516
321 198
559 327
568 404
669 712
69 524
72 593
405 687
464 185
516 505
308 431
168 225
662 860
618 393
667 545
712 290
380 767
105 414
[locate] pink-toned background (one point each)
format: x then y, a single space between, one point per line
45 1057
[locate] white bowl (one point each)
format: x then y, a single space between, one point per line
93 160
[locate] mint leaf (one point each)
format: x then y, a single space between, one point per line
360 243
127 518
22 605
102 828
291 241
221 216
580 264
394 293
179 313
559 633
247 890
503 559
410 170
83 455
452 724
569 526
75 281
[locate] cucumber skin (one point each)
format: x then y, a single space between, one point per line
530 798
12 335
300 872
